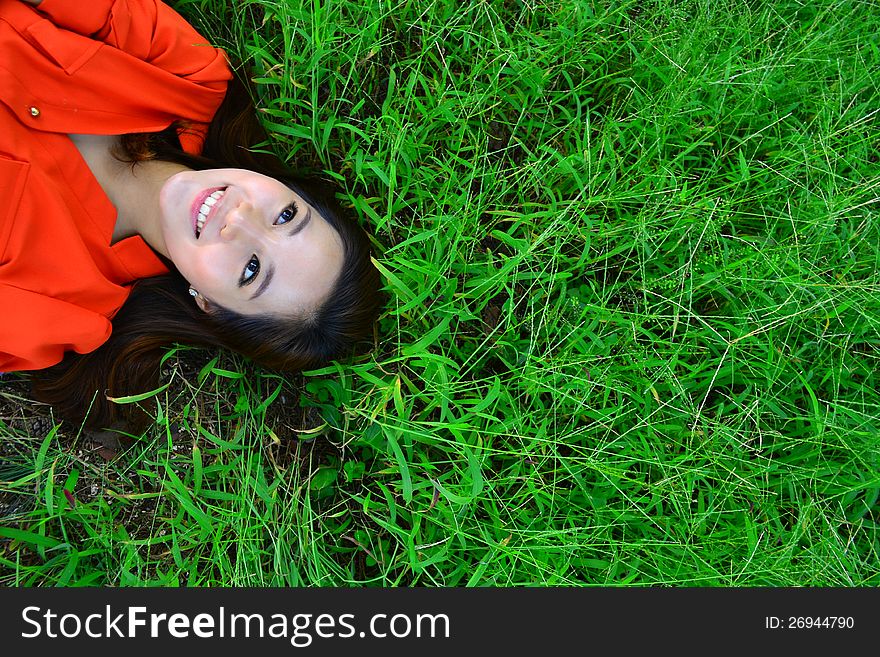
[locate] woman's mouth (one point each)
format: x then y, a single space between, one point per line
204 208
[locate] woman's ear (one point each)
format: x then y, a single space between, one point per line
201 301
203 304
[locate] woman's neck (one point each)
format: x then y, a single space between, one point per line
136 198
133 189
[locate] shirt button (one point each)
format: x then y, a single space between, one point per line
35 111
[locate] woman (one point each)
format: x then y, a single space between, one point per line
135 217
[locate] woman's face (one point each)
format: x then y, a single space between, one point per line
247 242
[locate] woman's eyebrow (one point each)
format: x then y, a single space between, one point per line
301 224
270 272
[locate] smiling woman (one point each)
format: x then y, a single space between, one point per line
241 228
166 227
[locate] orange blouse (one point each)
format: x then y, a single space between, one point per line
99 67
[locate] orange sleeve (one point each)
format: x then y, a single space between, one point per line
176 74
84 18
42 329
148 30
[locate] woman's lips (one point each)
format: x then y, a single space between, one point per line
196 206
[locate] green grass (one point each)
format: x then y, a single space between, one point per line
632 251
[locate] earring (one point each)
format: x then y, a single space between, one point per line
192 292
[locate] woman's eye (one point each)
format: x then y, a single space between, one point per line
250 271
287 214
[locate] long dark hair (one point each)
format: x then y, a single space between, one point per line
159 311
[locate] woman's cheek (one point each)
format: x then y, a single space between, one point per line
214 272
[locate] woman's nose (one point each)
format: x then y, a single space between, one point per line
239 220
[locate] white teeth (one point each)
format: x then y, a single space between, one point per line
206 208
